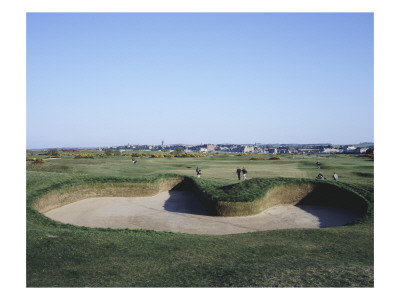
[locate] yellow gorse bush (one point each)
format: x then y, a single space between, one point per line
139 154
275 157
257 158
89 155
36 160
191 155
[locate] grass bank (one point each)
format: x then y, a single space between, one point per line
255 195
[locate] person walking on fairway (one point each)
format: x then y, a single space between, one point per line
244 171
198 171
335 176
238 171
318 165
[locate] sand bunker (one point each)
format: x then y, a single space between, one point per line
177 211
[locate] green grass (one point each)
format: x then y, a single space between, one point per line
69 256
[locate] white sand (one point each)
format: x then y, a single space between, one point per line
175 211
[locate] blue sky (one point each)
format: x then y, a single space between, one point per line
116 78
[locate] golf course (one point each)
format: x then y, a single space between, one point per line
160 225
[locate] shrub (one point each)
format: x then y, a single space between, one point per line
139 154
65 150
36 160
178 151
371 155
258 158
191 155
108 152
275 157
84 155
53 151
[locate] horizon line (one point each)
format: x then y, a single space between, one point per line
83 147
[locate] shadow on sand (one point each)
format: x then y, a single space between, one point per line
331 216
184 202
187 203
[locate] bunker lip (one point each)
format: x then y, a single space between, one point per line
181 211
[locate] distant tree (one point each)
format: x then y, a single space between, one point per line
53 151
369 151
108 152
178 151
117 152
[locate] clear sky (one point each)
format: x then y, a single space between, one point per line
116 78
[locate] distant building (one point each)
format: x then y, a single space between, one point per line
284 150
331 150
248 149
349 149
210 148
361 150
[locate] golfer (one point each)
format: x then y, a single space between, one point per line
238 171
244 171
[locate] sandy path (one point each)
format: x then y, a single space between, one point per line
181 212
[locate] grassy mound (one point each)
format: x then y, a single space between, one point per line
255 195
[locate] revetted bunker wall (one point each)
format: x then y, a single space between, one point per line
311 193
69 194
279 195
288 194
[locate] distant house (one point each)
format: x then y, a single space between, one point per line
210 148
245 149
331 150
283 150
349 149
361 150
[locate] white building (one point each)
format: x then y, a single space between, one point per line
331 150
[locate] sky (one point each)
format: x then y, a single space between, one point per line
108 79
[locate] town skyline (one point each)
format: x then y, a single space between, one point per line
138 146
